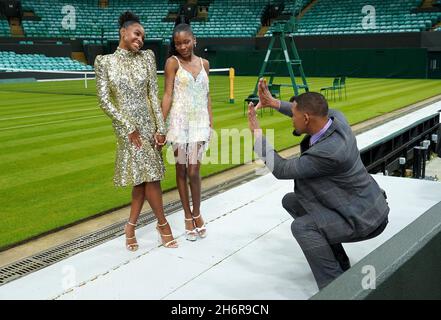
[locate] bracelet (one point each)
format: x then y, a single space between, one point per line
161 144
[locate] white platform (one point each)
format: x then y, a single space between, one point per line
366 138
249 253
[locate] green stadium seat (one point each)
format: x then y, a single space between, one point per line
225 17
390 17
12 60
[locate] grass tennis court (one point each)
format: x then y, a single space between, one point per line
58 147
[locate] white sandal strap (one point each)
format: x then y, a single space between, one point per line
197 217
161 225
168 243
132 224
166 235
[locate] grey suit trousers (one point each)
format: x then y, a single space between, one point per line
320 254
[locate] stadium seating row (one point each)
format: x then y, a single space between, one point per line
237 19
328 17
93 21
226 18
12 60
4 28
295 7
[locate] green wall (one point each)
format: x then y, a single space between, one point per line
418 278
363 63
407 266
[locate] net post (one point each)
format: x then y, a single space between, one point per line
231 74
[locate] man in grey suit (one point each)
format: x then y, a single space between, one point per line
335 199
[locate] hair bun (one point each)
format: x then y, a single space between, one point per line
182 19
127 16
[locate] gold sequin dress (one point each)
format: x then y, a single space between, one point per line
127 90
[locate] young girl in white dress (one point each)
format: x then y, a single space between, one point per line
187 105
127 90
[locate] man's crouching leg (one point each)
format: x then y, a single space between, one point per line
317 250
292 205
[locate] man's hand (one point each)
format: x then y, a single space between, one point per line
135 138
252 121
265 97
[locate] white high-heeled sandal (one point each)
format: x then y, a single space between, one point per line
131 246
191 235
202 231
171 244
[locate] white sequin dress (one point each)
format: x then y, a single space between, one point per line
189 121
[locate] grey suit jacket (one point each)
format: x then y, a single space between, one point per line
331 182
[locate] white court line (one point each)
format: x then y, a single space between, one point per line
51 122
69 79
82 73
93 78
85 72
48 114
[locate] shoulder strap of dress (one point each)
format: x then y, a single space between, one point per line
202 62
177 60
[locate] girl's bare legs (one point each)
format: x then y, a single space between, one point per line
138 193
195 186
181 182
153 194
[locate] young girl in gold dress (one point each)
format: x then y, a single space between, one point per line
127 90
